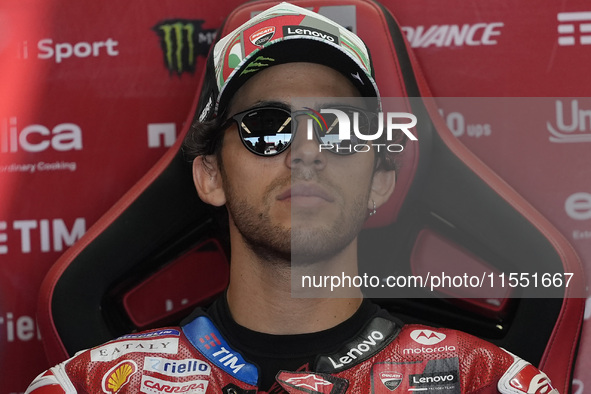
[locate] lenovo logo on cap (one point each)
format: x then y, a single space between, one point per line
309 31
427 337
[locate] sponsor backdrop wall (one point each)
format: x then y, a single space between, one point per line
94 93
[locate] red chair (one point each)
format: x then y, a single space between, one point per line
129 271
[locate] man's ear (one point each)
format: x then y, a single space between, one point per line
382 187
208 180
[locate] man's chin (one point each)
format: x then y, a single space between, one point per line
311 247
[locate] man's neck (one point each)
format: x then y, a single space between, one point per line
260 295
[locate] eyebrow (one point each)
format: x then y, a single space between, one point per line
286 105
337 104
271 103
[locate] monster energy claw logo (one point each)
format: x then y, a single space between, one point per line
257 64
182 40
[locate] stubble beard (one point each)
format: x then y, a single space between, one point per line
302 246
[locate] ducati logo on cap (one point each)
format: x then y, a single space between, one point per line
262 36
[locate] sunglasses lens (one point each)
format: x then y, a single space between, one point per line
266 131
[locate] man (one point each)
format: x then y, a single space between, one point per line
292 209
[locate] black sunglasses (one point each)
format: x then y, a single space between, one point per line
268 131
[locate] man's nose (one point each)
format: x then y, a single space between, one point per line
305 149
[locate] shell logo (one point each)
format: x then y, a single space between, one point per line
118 376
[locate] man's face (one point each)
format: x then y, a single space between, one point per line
302 204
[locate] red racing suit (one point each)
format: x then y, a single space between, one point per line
383 358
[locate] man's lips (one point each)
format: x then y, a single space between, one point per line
305 190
